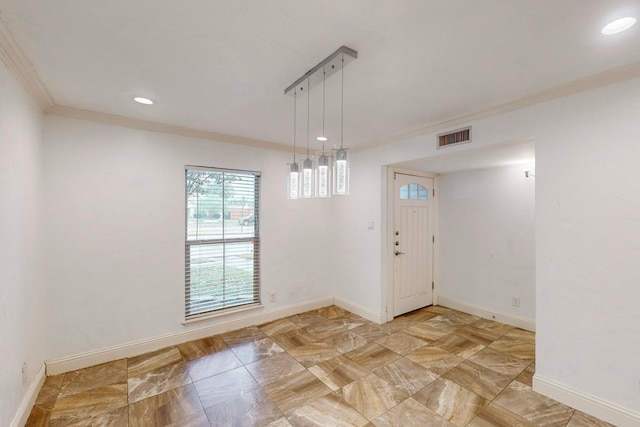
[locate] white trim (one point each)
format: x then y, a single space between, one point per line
90 358
509 319
586 403
221 313
148 125
29 399
615 75
359 310
16 61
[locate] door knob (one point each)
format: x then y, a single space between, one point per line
399 253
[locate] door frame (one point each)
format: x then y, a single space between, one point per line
388 237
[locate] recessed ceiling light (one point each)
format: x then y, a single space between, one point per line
619 25
141 100
321 138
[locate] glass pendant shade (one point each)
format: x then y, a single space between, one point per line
323 175
293 181
341 173
307 179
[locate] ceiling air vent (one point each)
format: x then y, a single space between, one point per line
459 136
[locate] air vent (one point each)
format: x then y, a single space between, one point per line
456 137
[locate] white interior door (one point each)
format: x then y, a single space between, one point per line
412 243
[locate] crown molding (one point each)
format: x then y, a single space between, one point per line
12 56
148 125
614 75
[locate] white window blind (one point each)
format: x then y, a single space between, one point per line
222 245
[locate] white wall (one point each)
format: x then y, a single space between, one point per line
487 239
21 296
114 243
587 237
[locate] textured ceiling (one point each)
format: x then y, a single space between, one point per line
222 66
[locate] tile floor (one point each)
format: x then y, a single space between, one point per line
431 367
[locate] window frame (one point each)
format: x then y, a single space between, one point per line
189 314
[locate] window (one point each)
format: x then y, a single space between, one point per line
222 245
413 192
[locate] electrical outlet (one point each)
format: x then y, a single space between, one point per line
272 297
515 301
24 373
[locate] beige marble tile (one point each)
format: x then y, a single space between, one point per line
401 343
202 347
516 348
225 386
540 410
372 356
89 403
420 315
329 410
459 317
483 381
477 335
434 359
293 339
580 419
196 420
241 336
396 325
93 377
444 322
151 361
253 408
372 396
213 364
451 401
296 391
116 418
429 333
351 321
273 368
458 345
49 391
489 325
522 335
338 372
406 376
39 417
346 341
324 329
305 319
526 377
411 413
437 309
331 312
158 381
251 351
314 353
280 422
496 416
278 327
371 331
500 362
165 409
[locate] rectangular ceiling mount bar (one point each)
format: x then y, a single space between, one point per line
331 65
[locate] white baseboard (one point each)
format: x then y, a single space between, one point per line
84 360
591 405
29 399
359 310
509 319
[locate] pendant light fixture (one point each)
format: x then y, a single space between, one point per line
307 164
323 164
341 164
326 183
293 177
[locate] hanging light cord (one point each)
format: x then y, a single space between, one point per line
295 109
342 102
324 77
308 114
